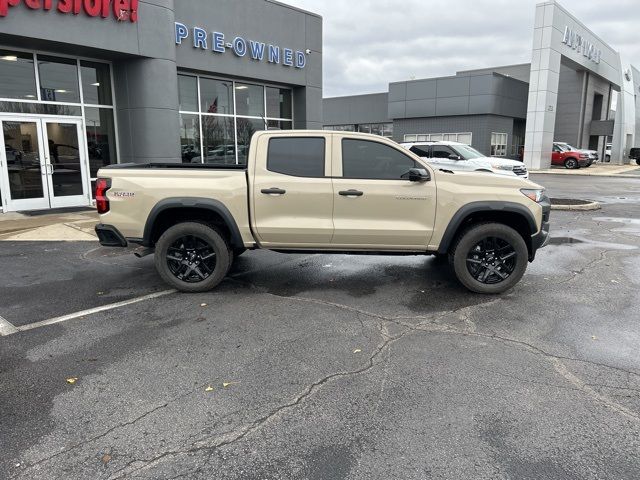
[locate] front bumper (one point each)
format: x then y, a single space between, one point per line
110 236
541 239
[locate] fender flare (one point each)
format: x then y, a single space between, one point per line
208 204
477 207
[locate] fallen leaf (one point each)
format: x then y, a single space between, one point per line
226 384
72 380
209 389
106 458
357 350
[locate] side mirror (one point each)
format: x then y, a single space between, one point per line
419 175
454 157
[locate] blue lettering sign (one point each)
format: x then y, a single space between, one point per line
182 32
288 57
257 50
239 46
274 54
199 38
218 42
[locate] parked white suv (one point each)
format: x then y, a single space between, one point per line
459 156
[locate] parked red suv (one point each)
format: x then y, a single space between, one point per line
569 158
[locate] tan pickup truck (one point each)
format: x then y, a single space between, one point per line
321 191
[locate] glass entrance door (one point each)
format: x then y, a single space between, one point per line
67 176
42 164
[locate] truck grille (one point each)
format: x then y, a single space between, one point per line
520 170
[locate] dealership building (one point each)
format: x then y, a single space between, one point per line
89 83
577 89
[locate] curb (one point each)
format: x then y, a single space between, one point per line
584 208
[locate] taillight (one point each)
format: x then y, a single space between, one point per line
102 202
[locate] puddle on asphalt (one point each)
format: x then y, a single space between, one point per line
564 240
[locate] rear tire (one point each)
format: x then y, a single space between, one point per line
489 258
193 257
571 163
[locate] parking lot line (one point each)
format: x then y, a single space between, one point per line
90 311
6 328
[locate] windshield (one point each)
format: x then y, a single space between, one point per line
467 152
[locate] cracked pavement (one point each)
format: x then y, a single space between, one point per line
329 366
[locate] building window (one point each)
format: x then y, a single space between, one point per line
58 79
341 128
18 78
219 117
96 83
465 137
499 144
382 129
56 90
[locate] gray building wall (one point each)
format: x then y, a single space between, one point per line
488 93
264 21
570 104
146 59
520 72
356 109
481 126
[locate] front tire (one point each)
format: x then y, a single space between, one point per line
489 258
571 163
193 257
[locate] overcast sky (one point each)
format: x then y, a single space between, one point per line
369 43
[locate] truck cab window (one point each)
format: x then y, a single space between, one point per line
297 156
442 151
364 159
420 150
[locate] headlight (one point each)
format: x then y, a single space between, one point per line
502 167
535 195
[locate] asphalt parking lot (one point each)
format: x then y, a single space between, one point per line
329 367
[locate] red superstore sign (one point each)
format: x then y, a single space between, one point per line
122 10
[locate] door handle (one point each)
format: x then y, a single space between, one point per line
351 193
273 191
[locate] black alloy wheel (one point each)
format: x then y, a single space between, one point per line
489 258
191 259
492 260
193 256
571 163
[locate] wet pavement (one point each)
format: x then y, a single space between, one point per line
330 366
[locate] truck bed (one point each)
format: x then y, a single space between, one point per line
176 166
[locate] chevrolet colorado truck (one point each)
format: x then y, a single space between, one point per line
322 191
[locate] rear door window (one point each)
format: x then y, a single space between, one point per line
296 156
420 150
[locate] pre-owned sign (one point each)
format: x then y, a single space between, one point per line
122 10
216 42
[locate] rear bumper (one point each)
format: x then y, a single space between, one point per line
110 236
541 239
